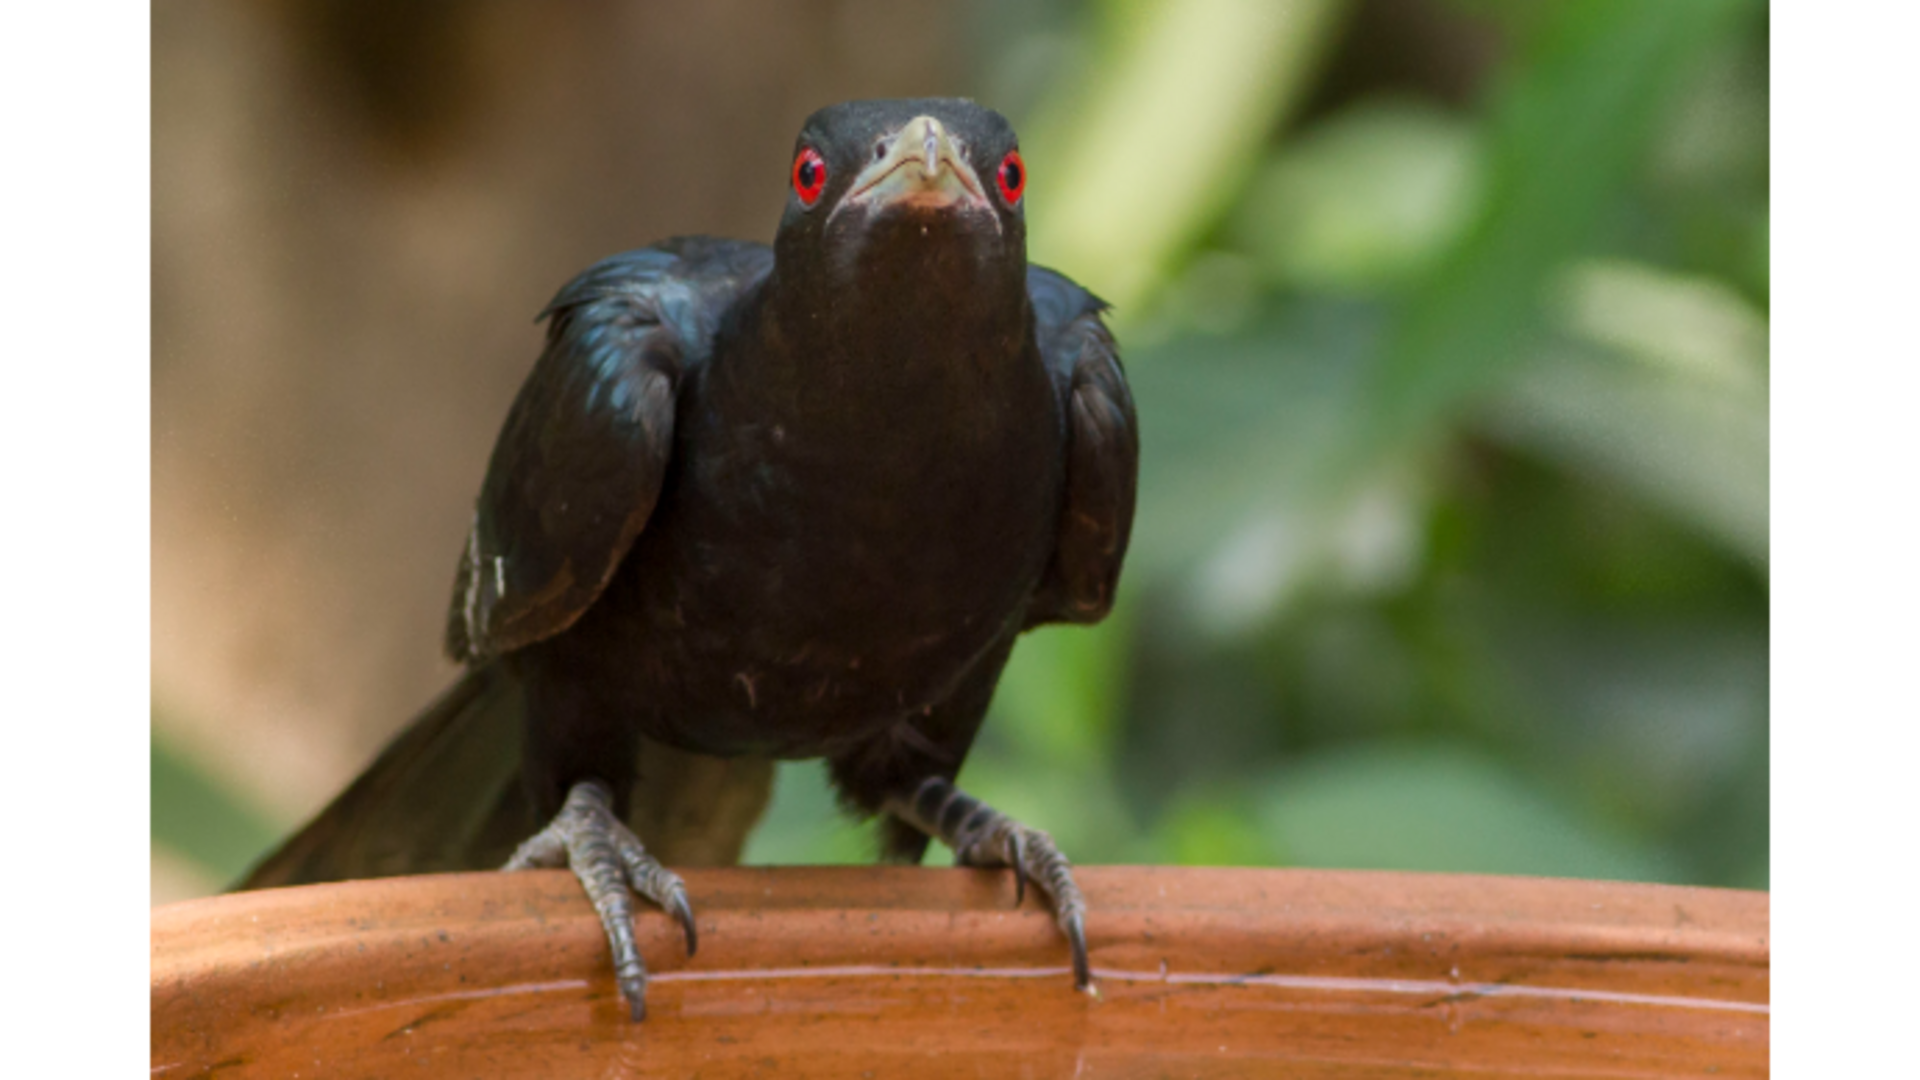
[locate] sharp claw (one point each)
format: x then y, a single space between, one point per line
970 828
1018 856
611 866
677 907
633 987
1075 927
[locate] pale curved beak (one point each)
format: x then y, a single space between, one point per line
920 166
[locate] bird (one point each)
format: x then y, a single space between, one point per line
758 503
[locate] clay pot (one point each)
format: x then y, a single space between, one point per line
921 972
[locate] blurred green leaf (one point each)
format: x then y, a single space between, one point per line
200 819
1365 200
1715 139
1579 112
1653 720
1164 133
1235 429
1674 406
1698 452
1414 807
1691 327
1060 694
1212 829
803 823
1237 500
1759 252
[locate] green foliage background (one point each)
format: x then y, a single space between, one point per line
1452 540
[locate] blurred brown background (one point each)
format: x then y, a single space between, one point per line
358 208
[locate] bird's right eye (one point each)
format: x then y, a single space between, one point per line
809 176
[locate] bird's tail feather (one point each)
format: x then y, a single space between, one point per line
444 795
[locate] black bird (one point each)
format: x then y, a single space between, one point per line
763 503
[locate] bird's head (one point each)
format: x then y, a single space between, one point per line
925 191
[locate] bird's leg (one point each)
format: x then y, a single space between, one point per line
607 858
982 836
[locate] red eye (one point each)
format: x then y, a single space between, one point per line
809 176
1012 177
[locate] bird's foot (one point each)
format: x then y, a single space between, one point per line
612 865
982 836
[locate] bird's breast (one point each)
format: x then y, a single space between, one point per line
820 567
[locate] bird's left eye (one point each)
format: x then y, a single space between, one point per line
1012 177
809 176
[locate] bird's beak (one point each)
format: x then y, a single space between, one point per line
919 167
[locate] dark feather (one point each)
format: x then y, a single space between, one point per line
1102 452
583 454
444 795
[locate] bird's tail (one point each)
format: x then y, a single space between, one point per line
446 795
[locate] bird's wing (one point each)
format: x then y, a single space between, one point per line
1102 452
584 452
